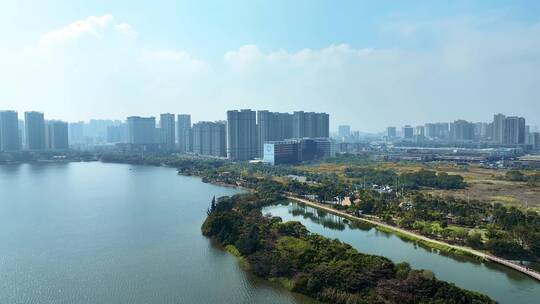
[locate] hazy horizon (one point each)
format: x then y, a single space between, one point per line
367 64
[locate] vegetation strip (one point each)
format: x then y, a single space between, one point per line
415 236
486 231
325 269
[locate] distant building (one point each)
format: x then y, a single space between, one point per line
167 127
407 132
462 130
141 130
22 139
534 140
310 124
57 135
209 138
272 126
34 123
391 132
241 135
294 151
184 133
514 130
438 130
481 130
9 131
498 126
117 134
96 129
344 131
76 132
419 133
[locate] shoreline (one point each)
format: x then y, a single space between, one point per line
432 243
455 249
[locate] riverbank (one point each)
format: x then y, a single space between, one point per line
228 180
423 239
323 268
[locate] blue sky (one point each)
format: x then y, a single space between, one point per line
368 63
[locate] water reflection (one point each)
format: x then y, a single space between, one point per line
501 283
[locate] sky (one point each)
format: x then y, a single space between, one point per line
370 64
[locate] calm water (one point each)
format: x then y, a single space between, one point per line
500 283
108 233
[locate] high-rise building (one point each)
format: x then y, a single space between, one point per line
272 126
534 140
310 124
34 123
391 132
96 129
481 130
76 132
9 131
209 138
241 135
57 135
344 131
141 130
419 133
522 131
461 130
184 133
407 132
498 127
514 130
167 130
117 134
438 130
22 139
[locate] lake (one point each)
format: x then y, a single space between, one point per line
112 233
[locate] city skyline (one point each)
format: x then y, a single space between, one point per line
366 65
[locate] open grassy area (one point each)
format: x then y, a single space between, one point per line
483 184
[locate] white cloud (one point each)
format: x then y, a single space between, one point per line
174 59
125 28
244 57
468 68
464 68
92 25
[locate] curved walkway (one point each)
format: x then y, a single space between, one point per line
477 253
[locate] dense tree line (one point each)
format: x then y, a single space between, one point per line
325 269
507 231
510 231
409 180
518 176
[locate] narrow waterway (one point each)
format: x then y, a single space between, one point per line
500 283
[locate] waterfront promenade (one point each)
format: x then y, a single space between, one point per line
414 235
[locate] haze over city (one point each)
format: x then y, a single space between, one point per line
367 64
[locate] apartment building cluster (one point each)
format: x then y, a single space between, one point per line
503 130
34 133
241 137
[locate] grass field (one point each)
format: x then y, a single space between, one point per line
483 184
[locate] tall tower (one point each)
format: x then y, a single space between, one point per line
498 128
141 130
9 131
57 135
241 134
34 123
167 128
184 133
